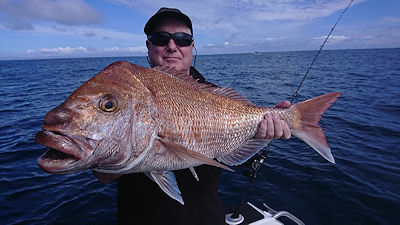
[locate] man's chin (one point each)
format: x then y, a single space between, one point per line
173 64
172 61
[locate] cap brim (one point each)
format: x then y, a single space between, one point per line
155 19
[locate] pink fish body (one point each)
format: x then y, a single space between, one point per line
130 119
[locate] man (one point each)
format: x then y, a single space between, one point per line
140 201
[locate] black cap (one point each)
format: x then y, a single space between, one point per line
164 13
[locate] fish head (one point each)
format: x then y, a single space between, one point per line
105 124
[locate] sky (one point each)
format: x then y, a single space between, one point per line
32 29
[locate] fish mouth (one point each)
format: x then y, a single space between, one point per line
63 154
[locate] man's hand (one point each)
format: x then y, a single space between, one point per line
271 127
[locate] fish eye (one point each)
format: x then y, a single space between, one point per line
108 104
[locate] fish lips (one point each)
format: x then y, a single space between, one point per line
64 152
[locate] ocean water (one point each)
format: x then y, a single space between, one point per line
362 129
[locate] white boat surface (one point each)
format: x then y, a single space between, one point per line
253 215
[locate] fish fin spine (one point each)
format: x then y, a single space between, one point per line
193 171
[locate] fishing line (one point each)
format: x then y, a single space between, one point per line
320 49
258 161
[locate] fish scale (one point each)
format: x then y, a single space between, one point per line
214 123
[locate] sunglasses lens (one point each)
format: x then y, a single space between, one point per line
183 39
162 38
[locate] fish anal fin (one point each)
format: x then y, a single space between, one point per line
167 182
245 152
183 154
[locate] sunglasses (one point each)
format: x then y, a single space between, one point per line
162 38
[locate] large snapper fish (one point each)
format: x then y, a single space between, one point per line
130 119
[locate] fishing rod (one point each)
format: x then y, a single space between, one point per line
258 161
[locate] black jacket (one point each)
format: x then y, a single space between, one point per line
141 201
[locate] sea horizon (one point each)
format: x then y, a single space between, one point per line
144 55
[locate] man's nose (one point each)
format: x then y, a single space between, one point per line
171 45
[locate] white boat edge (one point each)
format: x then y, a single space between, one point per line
270 217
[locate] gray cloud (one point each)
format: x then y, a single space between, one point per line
20 15
18 25
89 34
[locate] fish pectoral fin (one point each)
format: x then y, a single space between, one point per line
181 153
245 152
106 177
194 173
167 182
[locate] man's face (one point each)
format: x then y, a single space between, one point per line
171 55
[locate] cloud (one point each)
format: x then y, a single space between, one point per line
101 33
19 15
230 17
332 38
70 52
254 25
295 44
295 10
89 34
62 51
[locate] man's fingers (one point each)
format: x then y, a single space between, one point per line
278 131
283 104
270 127
262 129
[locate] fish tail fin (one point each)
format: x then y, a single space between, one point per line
308 130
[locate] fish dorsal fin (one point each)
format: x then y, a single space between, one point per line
173 72
186 78
245 152
230 93
225 92
179 152
167 182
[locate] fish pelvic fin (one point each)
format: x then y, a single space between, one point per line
167 182
106 177
183 154
308 130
